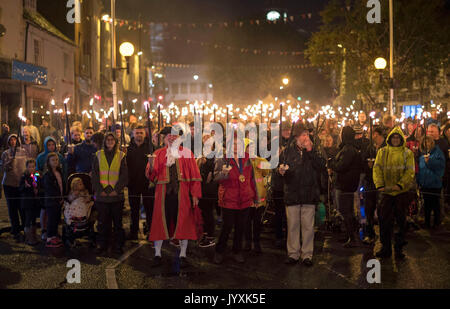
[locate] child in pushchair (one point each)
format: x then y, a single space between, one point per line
78 218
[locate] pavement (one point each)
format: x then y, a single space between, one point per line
427 265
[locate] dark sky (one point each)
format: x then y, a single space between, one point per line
290 38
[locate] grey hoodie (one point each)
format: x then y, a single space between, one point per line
13 167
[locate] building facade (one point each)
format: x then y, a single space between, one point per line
37 63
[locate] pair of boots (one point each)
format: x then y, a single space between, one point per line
31 236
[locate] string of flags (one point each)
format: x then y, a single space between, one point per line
136 25
243 50
279 67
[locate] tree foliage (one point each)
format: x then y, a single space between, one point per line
421 44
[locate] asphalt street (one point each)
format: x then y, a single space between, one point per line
426 266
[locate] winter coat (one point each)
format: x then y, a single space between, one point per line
394 166
276 181
137 160
13 166
81 159
209 188
302 179
237 195
431 173
29 195
32 149
53 195
121 183
41 160
347 163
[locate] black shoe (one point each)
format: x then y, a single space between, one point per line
238 258
157 261
184 262
218 258
205 243
383 254
290 261
307 262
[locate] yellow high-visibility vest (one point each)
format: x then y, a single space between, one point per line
109 174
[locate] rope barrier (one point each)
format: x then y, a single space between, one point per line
216 199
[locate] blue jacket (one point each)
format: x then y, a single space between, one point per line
41 159
431 173
82 157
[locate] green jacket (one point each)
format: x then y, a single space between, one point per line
394 166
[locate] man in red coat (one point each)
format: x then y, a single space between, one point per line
177 178
236 178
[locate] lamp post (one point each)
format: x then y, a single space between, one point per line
380 64
391 57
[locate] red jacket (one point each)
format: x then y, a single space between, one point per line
236 194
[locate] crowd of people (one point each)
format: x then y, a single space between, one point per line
392 171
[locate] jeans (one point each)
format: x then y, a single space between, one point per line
134 198
347 210
15 212
253 225
232 218
109 214
393 207
431 198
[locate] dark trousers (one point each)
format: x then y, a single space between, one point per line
280 214
370 206
393 207
16 214
110 214
431 199
207 208
134 198
253 226
232 218
53 219
347 210
171 212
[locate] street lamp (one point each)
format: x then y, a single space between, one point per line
127 50
380 63
285 81
195 77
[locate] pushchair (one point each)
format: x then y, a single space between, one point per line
84 226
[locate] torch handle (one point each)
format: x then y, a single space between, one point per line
122 135
149 130
69 139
